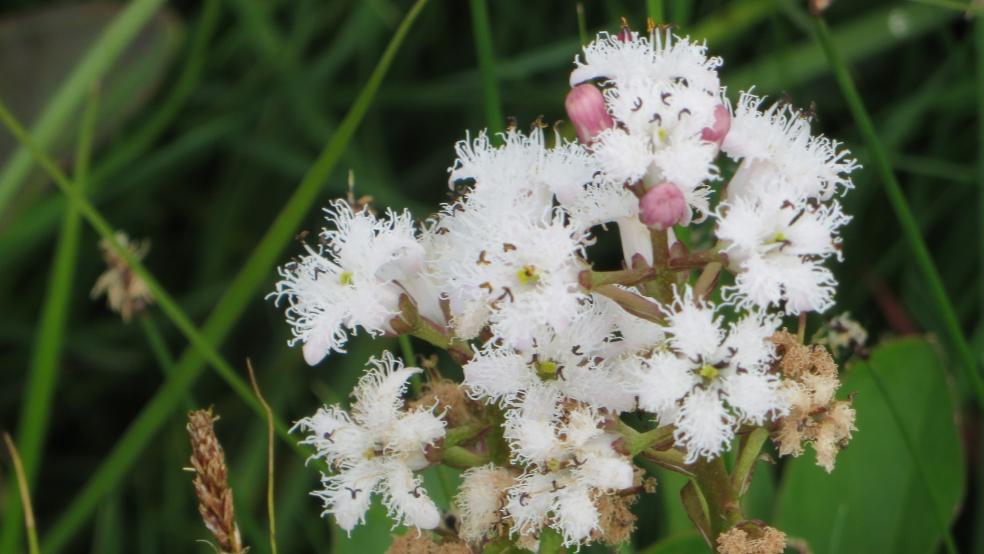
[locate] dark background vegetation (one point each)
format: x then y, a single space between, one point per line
238 120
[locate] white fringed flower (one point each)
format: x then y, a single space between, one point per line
570 462
522 175
709 379
572 362
777 247
516 274
776 145
662 91
349 281
375 447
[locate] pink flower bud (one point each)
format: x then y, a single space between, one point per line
662 207
722 124
586 107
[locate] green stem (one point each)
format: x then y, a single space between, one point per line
456 456
979 44
42 377
723 508
907 221
486 64
633 442
582 25
633 303
240 292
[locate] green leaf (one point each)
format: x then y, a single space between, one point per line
875 501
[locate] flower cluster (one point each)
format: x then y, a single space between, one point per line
554 351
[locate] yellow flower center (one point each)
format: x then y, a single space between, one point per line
345 278
546 370
528 275
709 372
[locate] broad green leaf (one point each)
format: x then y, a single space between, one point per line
875 501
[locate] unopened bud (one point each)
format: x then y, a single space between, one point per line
719 129
662 207
586 108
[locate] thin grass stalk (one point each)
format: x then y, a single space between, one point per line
486 64
582 25
232 304
25 497
270 498
910 445
910 229
42 375
97 61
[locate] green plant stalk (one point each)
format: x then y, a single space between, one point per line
20 483
229 308
486 64
582 25
979 47
723 508
917 461
97 61
42 377
910 229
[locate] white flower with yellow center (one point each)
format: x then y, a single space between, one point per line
375 448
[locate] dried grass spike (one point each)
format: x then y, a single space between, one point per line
211 482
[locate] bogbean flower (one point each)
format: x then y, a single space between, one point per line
353 279
514 273
572 362
570 463
375 448
709 379
663 92
777 246
776 145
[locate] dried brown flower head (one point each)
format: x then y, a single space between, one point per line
616 521
815 415
413 542
126 293
756 540
450 399
211 482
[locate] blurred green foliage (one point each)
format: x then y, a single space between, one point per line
211 113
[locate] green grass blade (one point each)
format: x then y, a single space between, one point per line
979 45
238 295
486 64
63 104
42 377
910 228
